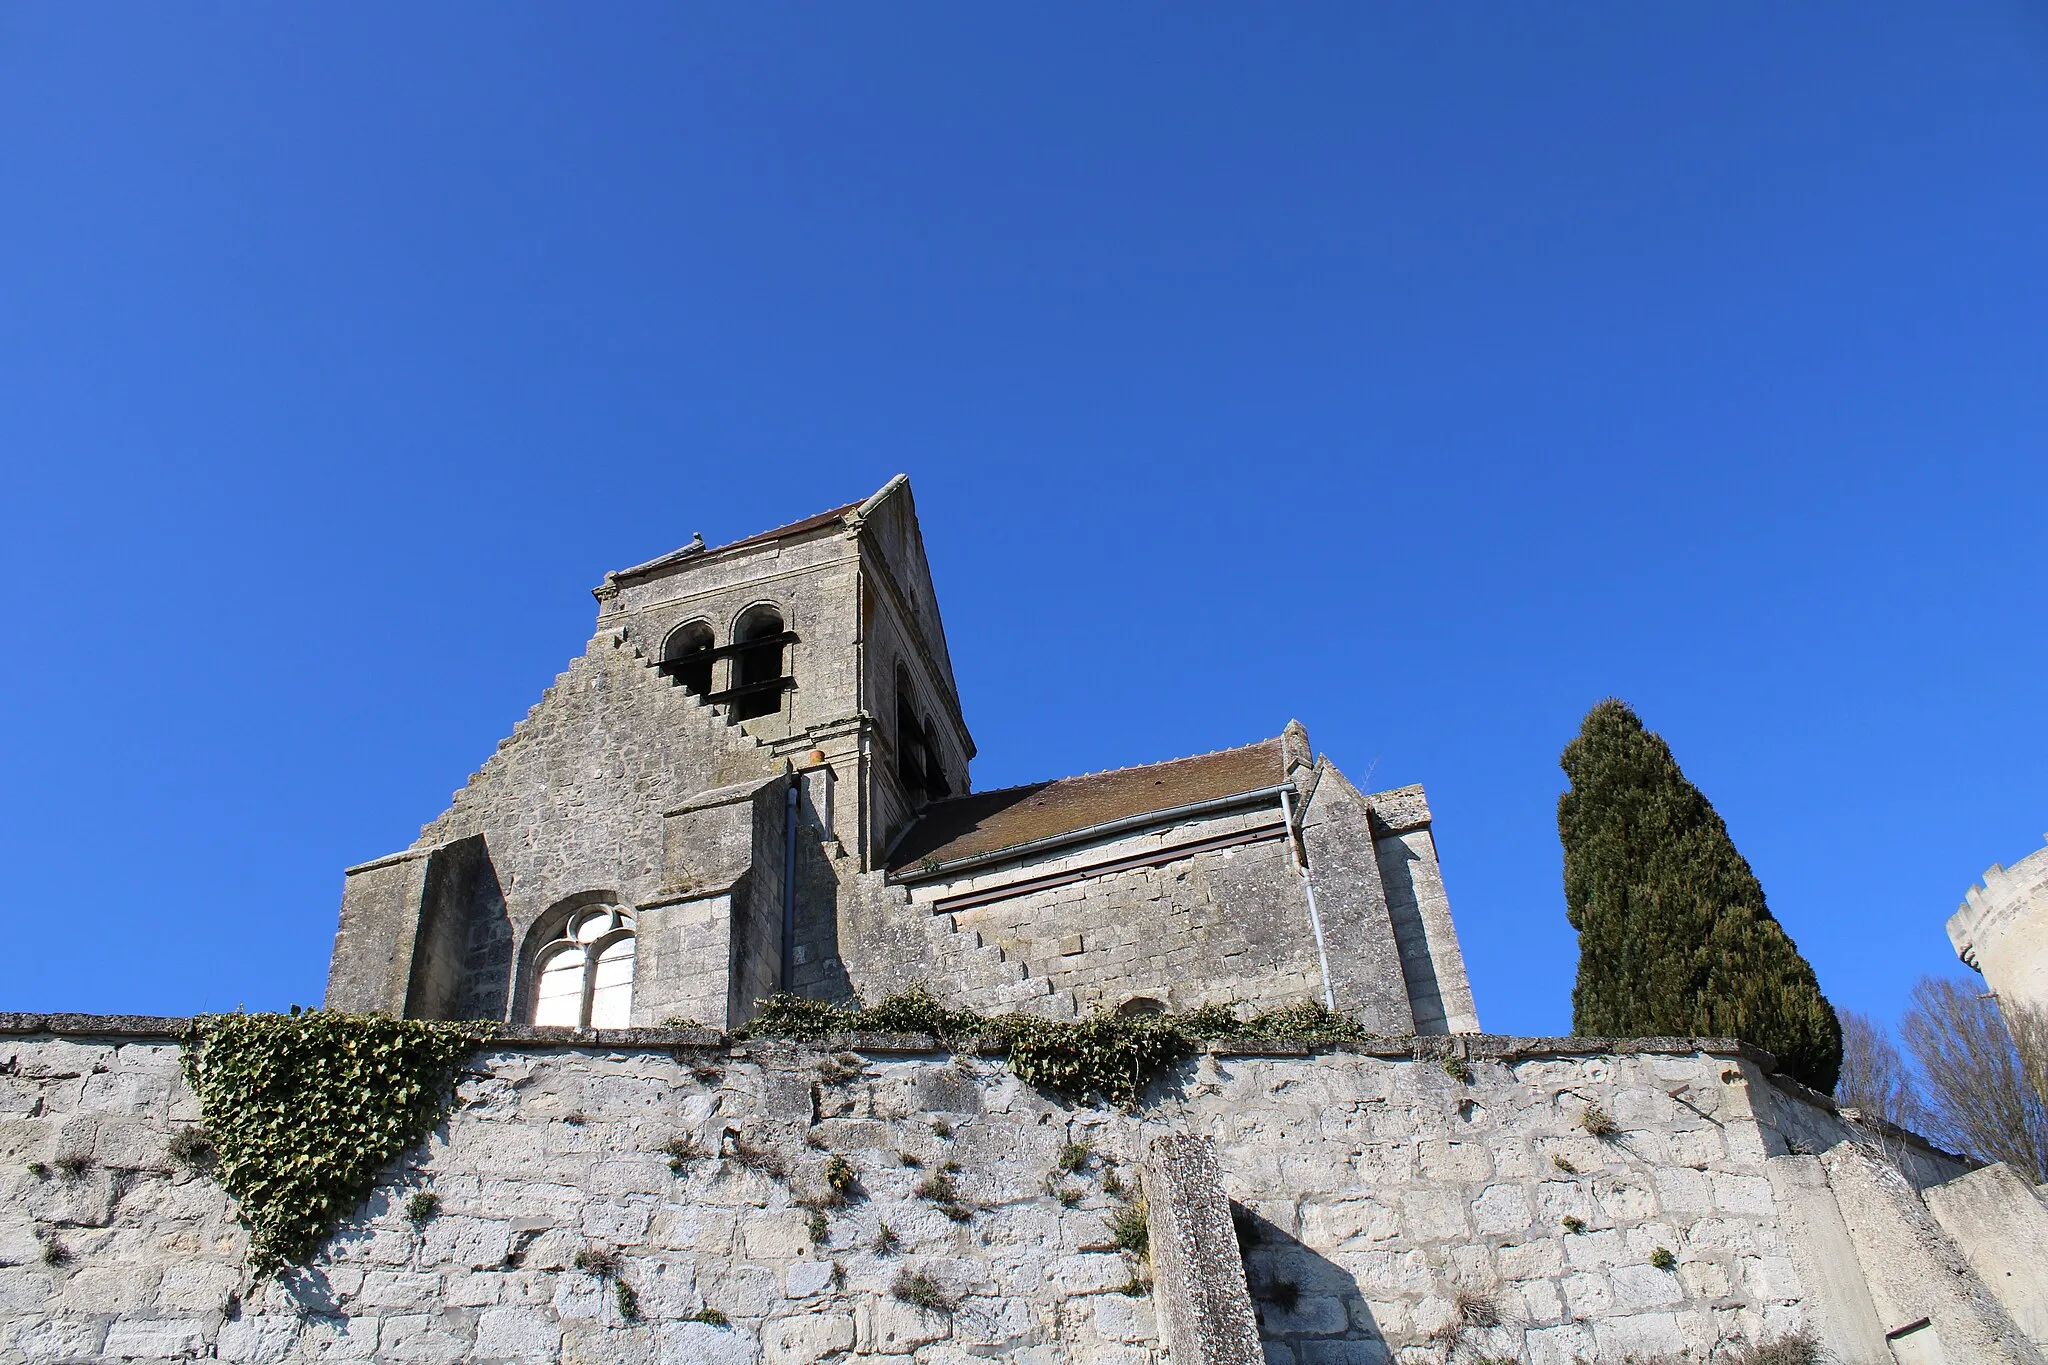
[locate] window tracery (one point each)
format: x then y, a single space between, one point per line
585 976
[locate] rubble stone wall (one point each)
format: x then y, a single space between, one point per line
1393 1206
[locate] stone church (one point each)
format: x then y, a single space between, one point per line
756 779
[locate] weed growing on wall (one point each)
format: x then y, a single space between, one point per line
1131 1229
303 1109
1309 1022
190 1148
1113 1056
680 1150
922 1291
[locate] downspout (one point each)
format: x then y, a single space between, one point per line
1315 920
789 887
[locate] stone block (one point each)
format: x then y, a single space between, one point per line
425 1338
516 1334
888 1327
1433 1215
332 1337
1330 1223
1638 1334
479 1243
1770 1278
472 1290
1568 1344
1531 1260
55 1339
110 1288
806 1337
401 1289
777 1235
257 1339
1644 1286
19 1245
1541 1301
1501 1209
1312 1315
156 1339
1750 1194
1118 1317
1588 1295
197 1288
693 1343
1089 1273
22 1290
620 1221
1596 1250
1350 1352
130 1145
804 1279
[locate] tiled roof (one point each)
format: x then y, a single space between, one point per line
989 822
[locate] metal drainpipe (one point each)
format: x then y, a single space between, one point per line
1307 884
789 887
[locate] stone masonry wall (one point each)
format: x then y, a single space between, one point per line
1227 926
1385 1198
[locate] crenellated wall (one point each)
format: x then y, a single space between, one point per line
2001 929
1384 1195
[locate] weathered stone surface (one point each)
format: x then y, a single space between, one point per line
1377 1188
803 1339
1199 1281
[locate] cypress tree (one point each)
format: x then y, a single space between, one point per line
1674 935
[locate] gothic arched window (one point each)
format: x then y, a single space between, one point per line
585 975
686 657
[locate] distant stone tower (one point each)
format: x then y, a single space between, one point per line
2001 929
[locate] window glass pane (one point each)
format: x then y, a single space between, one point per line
592 923
611 999
560 999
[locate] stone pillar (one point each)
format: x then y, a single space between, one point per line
371 972
1838 1307
1198 1284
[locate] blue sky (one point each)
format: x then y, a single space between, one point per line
1427 373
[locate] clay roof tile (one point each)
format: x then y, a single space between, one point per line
989 822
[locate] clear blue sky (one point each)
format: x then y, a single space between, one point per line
1424 372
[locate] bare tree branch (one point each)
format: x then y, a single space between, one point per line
1979 1098
1875 1078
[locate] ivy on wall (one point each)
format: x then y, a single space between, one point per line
305 1108
1113 1056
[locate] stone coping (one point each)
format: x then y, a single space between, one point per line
523 1037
